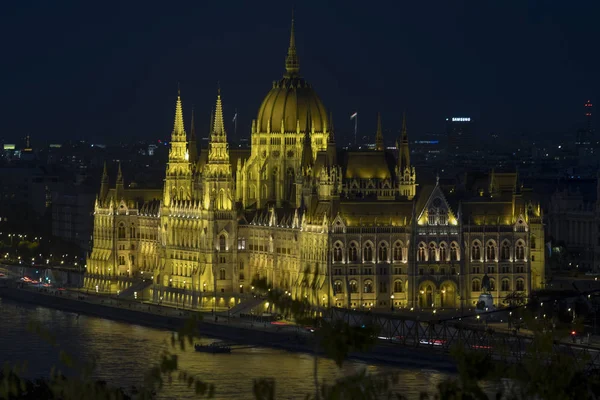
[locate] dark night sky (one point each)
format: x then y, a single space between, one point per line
108 71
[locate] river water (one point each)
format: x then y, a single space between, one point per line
126 351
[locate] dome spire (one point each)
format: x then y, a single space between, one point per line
292 66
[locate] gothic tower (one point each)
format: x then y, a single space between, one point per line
218 180
405 173
178 179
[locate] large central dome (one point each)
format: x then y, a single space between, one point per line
290 99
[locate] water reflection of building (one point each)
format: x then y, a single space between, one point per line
345 228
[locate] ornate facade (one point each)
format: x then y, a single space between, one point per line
341 228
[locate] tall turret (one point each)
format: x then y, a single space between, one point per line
218 179
193 145
120 186
403 147
379 135
405 173
104 184
331 149
178 179
307 152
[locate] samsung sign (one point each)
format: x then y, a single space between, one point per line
461 119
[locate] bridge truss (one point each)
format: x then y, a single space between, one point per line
441 336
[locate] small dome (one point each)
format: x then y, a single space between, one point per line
289 100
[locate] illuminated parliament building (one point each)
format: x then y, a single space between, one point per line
343 228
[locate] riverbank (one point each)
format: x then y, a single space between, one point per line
238 331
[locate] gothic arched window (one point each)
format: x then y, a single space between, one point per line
442 252
476 285
442 217
222 243
520 251
338 252
121 231
353 286
337 287
221 204
353 252
368 287
398 286
431 216
222 274
491 251
421 253
383 252
505 253
476 252
453 251
431 252
397 251
520 285
368 252
505 285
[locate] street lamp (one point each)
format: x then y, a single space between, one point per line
392 303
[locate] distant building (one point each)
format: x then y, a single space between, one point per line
430 148
459 131
573 221
585 142
72 218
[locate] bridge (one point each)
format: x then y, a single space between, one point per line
441 336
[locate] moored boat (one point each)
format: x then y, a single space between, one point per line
213 348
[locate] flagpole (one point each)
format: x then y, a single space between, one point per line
355 128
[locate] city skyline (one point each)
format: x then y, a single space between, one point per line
107 82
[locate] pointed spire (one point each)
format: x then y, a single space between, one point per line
219 125
120 175
192 127
193 145
403 148
212 118
379 135
178 129
331 150
404 132
104 183
307 155
292 66
331 138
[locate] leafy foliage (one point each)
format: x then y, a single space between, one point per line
547 372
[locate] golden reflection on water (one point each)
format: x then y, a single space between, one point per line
126 352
